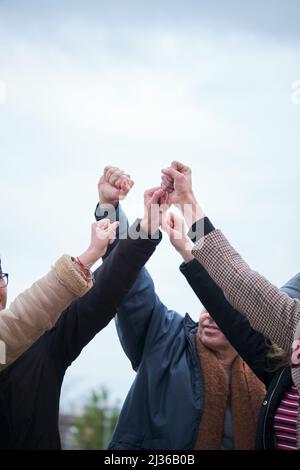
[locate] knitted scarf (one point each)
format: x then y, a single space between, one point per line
247 393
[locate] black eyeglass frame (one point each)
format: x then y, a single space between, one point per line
4 276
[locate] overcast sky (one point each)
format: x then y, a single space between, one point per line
138 84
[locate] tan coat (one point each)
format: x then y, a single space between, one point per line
38 308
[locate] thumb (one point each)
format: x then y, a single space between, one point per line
183 169
106 232
111 233
149 192
101 224
179 224
155 199
171 219
167 229
172 173
113 227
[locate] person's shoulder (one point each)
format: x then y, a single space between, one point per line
292 287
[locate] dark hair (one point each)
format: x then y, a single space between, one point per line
277 358
0 267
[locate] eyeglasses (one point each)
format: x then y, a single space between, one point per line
3 280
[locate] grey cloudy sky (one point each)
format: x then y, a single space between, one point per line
138 84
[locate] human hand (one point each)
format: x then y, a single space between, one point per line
103 234
114 185
175 227
177 183
155 209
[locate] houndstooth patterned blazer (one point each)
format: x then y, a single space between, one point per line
269 310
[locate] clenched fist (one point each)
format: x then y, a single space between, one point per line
114 185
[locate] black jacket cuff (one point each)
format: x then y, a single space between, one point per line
200 229
191 268
103 213
136 232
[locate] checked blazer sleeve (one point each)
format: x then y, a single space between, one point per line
269 310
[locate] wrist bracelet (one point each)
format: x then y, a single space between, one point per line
89 276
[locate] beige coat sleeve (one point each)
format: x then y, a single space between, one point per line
38 308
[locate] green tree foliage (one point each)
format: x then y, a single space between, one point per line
94 428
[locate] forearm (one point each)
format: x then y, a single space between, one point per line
187 255
270 311
251 345
120 270
138 301
38 308
191 209
199 229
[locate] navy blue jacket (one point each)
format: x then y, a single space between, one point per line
164 405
